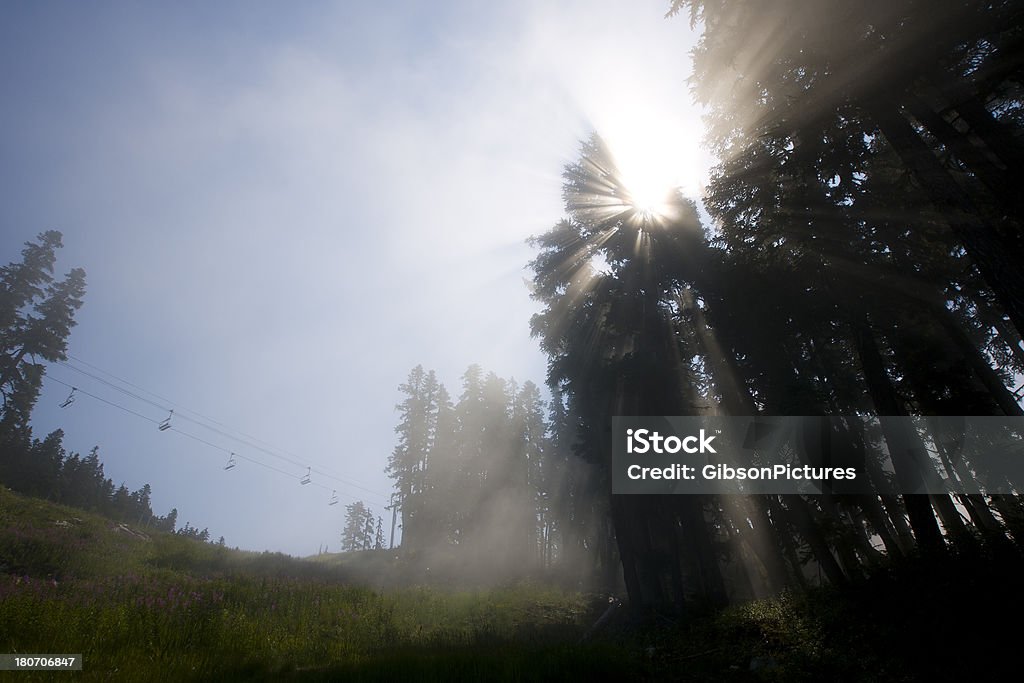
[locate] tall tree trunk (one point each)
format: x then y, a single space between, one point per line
691 516
880 523
787 539
845 550
905 448
736 399
861 538
1010 510
953 522
799 512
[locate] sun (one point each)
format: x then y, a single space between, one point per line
648 192
657 156
647 168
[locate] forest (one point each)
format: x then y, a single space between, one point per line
857 255
862 258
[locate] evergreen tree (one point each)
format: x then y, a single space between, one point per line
36 316
534 474
369 531
614 350
169 522
190 531
359 531
876 195
407 465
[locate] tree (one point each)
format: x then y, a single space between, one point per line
36 316
539 475
169 522
189 531
877 194
484 488
359 532
615 351
417 431
939 94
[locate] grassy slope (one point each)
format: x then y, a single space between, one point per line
173 609
170 608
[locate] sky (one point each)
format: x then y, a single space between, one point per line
282 208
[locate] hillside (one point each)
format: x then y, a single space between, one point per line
155 606
148 605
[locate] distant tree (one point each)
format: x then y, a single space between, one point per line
122 501
84 485
142 509
369 531
34 469
531 473
378 541
487 482
360 531
190 531
169 522
444 517
417 430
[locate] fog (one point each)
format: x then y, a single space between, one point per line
281 211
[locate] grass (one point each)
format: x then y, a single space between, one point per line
168 608
165 608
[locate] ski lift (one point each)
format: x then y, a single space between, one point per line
305 480
166 423
231 462
70 399
334 498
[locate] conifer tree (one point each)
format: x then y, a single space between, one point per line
36 317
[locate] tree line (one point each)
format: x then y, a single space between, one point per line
488 483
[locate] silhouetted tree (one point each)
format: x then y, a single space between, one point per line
615 350
416 431
359 531
36 316
875 192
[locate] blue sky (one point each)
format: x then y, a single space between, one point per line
282 209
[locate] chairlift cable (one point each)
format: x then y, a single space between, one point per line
188 434
326 472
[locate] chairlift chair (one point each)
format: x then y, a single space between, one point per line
166 423
334 498
70 399
231 462
305 480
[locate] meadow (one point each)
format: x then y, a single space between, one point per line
152 606
140 605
